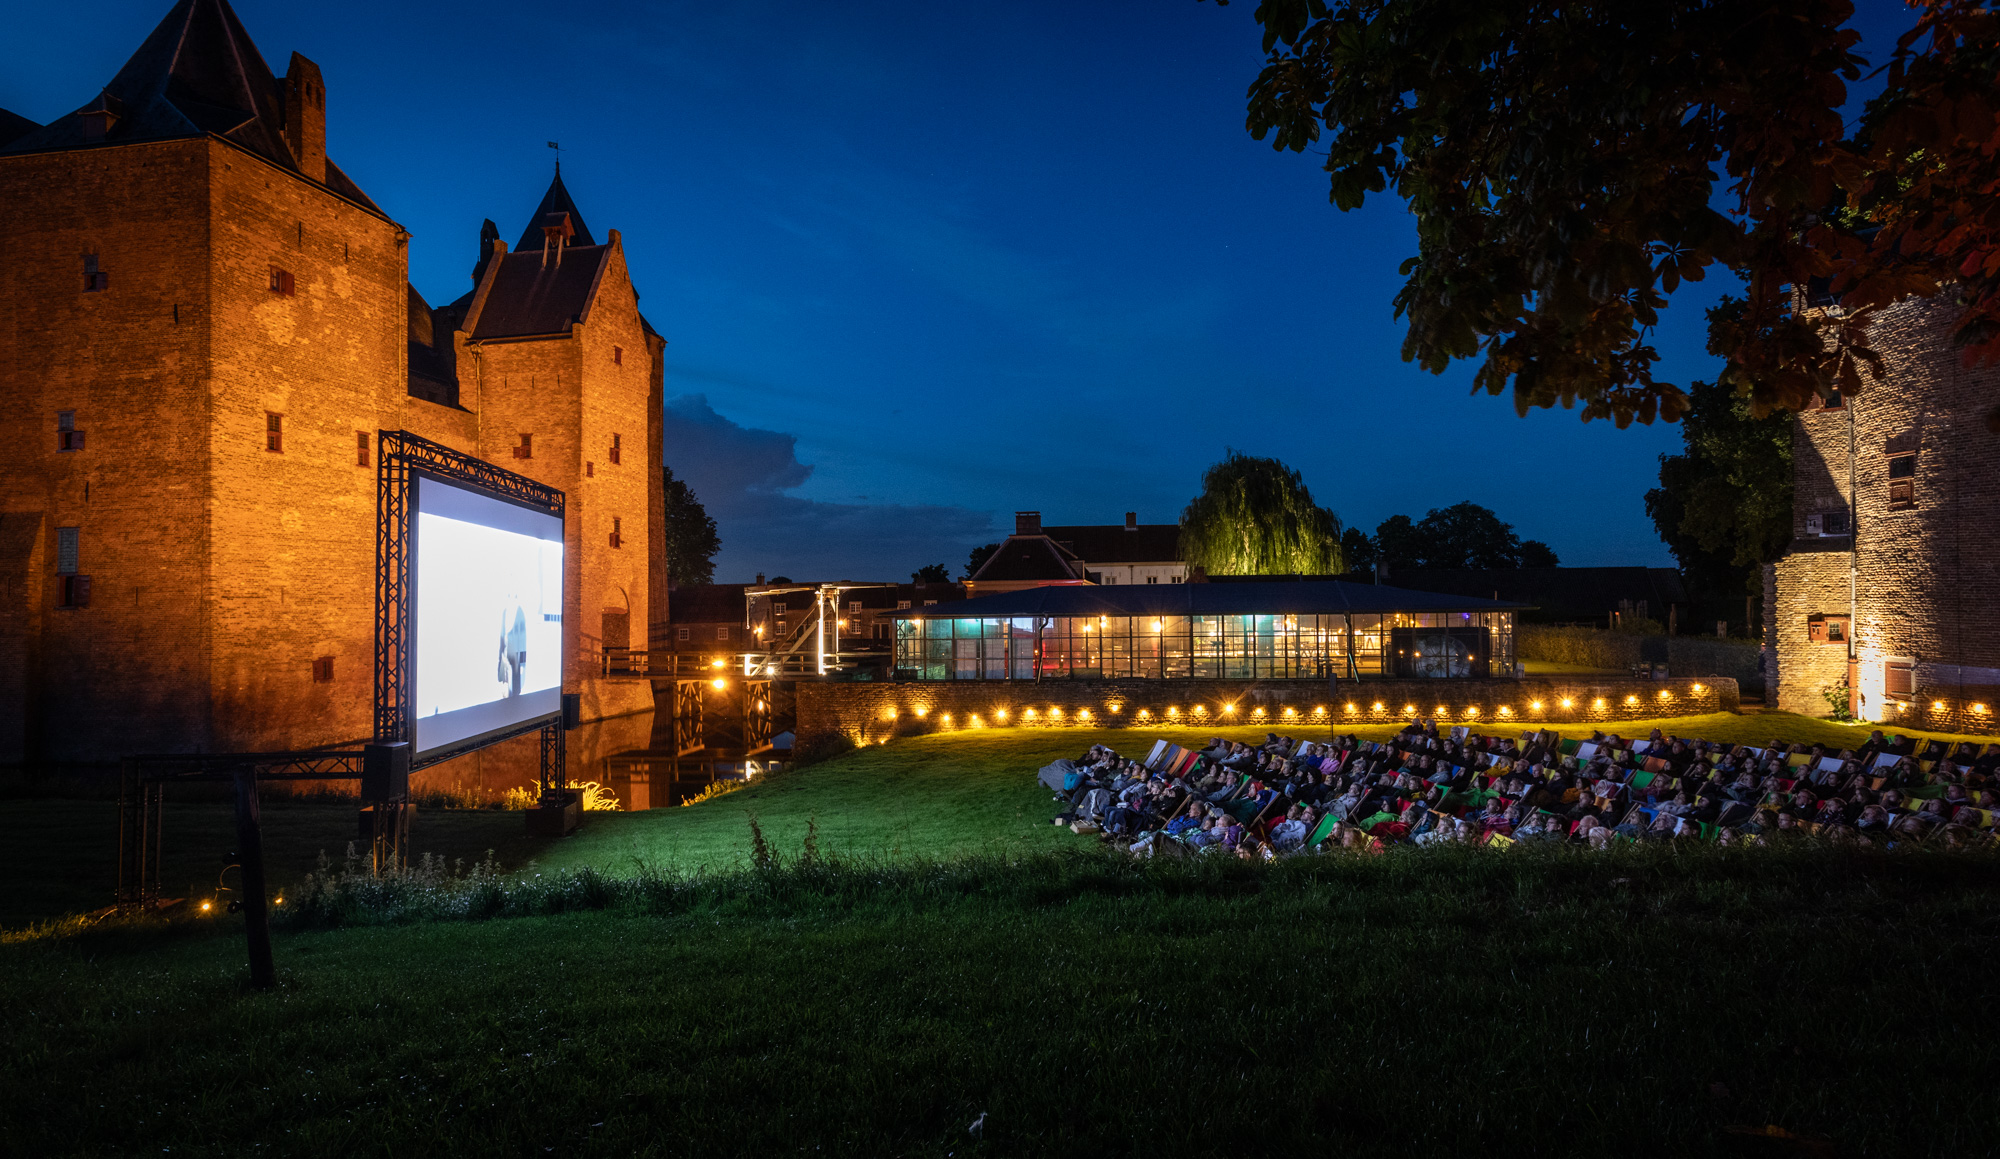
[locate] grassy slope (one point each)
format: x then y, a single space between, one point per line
968 791
1410 1004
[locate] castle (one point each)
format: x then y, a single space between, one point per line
203 325
1896 539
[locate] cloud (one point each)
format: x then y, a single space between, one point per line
743 475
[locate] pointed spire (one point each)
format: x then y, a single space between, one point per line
555 201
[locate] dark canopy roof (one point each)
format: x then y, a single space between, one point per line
1028 557
14 126
1559 593
1117 543
556 200
1328 597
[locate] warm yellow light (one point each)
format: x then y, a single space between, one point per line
975 720
1937 706
1143 714
1568 703
1000 714
921 710
1258 711
1378 706
1697 689
1030 714
1505 711
1665 695
205 906
279 900
1174 711
719 683
1290 713
1086 627
717 664
1083 714
947 717
1056 713
1116 707
1978 707
1443 711
1536 705
1598 703
1157 626
1228 709
1199 708
1473 711
1632 698
888 714
1409 708
1350 708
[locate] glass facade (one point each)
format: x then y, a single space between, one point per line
1235 647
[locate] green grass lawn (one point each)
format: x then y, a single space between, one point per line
942 795
1413 1003
1558 668
961 955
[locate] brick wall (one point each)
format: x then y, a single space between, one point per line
1925 571
872 712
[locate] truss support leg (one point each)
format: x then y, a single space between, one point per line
256 914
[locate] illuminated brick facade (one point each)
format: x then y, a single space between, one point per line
202 324
1896 552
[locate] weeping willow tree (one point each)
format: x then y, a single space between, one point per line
1256 517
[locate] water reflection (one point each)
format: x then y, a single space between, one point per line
626 755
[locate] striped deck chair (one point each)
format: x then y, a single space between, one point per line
1798 760
1569 747
1322 831
1156 760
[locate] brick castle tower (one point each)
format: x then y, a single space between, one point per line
1896 539
203 323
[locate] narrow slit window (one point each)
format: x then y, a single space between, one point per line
95 281
323 670
617 356
616 448
617 536
68 438
274 432
362 451
72 587
281 282
527 448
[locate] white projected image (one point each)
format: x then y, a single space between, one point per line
488 578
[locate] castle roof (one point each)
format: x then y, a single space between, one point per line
533 296
197 74
14 126
555 202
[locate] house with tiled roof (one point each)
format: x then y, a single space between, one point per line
1107 554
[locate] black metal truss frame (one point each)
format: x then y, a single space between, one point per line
142 786
756 716
400 458
689 733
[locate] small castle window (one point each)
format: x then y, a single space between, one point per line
68 438
681 634
323 670
281 282
95 281
1899 679
617 539
618 356
72 588
361 449
527 448
274 432
589 469
1902 482
616 451
1826 629
1832 401
722 631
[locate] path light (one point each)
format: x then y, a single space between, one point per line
1979 708
1472 711
1568 703
1143 714
921 710
1536 705
999 714
1937 706
1289 713
1632 698
1443 711
718 682
1697 690
1116 707
1351 707
1378 706
975 720
1229 710
1174 710
1598 703
1505 711
947 717
1409 709
1055 713
1029 714
1083 714
888 714
1665 695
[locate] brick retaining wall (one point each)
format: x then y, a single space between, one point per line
873 712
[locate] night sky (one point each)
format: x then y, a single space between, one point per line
921 265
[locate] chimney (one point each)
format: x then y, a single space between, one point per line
1131 521
305 117
1027 523
760 579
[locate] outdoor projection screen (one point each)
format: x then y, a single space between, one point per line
487 611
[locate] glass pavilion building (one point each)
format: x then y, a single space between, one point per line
1257 630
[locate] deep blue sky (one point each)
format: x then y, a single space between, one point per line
923 264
